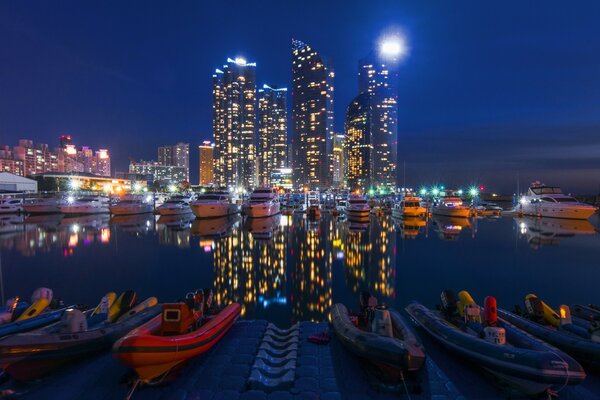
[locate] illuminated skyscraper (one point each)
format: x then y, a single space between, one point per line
358 143
339 160
234 124
272 132
177 155
312 117
378 78
206 163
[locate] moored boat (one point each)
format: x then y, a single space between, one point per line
580 339
382 337
11 205
176 205
357 208
263 202
214 204
133 204
548 201
451 206
180 332
47 204
85 205
514 357
31 355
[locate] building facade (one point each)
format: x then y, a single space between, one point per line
160 173
378 77
272 132
177 155
359 150
312 118
206 163
339 161
234 124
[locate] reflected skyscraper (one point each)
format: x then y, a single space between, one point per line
312 117
272 132
234 124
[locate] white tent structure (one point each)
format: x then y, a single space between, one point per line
15 183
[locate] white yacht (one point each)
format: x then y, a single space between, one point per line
358 208
314 204
340 207
48 204
10 205
133 204
547 201
214 205
409 206
176 205
451 206
263 202
85 205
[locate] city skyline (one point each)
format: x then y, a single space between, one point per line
493 107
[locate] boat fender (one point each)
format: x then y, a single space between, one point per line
490 311
42 293
19 309
149 302
495 335
73 321
464 299
105 303
448 302
382 323
9 309
565 315
35 309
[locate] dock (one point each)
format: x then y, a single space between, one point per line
258 361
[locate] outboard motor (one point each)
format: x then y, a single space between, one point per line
448 302
9 309
535 309
565 315
382 322
490 311
494 334
73 321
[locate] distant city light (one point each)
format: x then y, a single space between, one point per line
393 46
423 192
137 187
460 192
74 184
473 192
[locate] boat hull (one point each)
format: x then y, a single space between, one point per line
81 210
162 210
551 211
151 355
452 212
262 210
41 208
131 210
214 210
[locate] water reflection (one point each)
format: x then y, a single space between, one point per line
541 232
285 269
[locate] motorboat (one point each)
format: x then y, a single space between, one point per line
382 337
577 336
85 205
49 204
409 206
358 208
487 208
11 205
549 201
263 202
133 204
181 331
313 209
175 205
451 206
340 207
515 358
214 205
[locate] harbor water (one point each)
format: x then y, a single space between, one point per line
286 268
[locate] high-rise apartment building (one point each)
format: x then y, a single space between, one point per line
234 124
206 163
177 155
272 132
312 117
159 172
339 160
358 143
378 77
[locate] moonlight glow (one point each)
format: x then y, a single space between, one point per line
393 46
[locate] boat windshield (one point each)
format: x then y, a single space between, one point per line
548 200
546 190
566 199
411 204
358 201
211 197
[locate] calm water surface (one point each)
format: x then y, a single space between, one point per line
287 268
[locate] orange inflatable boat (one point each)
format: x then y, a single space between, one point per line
180 332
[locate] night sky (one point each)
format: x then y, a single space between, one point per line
488 91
